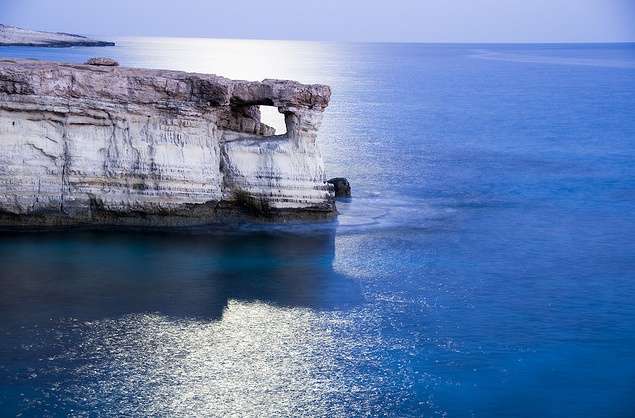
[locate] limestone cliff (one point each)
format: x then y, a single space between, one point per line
14 36
114 145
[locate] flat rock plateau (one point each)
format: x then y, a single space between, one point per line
14 36
110 145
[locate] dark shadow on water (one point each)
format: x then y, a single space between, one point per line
87 275
53 285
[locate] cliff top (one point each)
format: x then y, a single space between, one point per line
14 36
150 86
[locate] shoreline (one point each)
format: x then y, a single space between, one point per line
61 44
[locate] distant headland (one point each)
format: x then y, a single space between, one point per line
14 36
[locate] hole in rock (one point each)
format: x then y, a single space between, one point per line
269 115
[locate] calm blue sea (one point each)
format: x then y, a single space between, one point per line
485 266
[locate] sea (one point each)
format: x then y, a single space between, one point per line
484 267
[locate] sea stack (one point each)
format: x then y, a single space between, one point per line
110 145
341 186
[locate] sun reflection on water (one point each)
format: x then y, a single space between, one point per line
258 360
237 59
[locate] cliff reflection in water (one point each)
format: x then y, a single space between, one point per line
94 275
167 323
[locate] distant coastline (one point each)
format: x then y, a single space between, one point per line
15 36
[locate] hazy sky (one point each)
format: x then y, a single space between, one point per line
357 20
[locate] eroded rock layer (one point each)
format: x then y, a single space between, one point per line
115 145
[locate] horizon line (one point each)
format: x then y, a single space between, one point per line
375 41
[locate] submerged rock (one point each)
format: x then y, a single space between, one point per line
101 61
341 186
14 36
115 145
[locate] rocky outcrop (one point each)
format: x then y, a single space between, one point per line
115 145
341 186
103 62
14 36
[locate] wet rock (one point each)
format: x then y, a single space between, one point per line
341 185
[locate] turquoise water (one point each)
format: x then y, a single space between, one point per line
485 266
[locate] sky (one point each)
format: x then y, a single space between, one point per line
339 20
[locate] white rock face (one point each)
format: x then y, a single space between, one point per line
11 35
113 145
